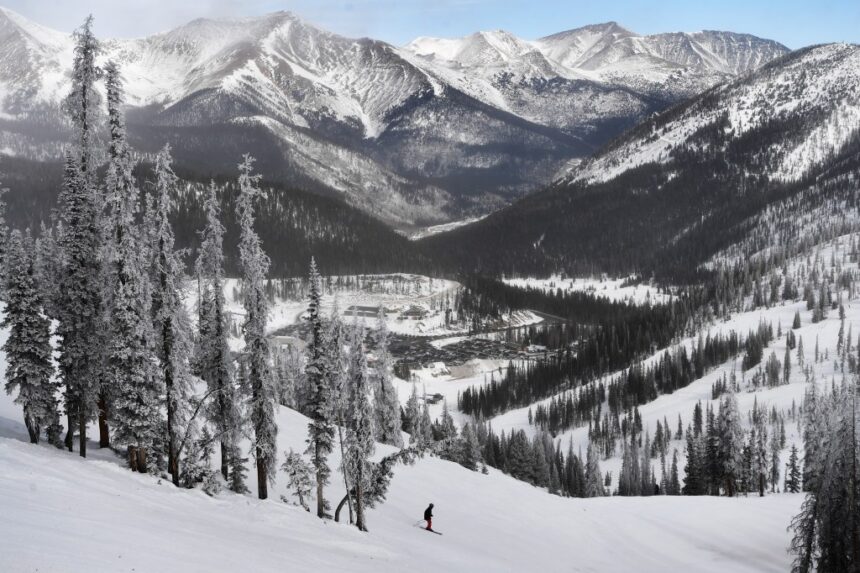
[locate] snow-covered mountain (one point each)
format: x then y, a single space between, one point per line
775 148
415 135
600 71
813 93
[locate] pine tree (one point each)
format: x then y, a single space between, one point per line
172 329
731 442
259 384
134 386
695 479
4 232
792 472
29 369
338 380
413 418
360 445
470 452
386 403
320 428
813 436
447 434
212 353
827 530
674 485
47 269
593 477
775 447
82 103
647 483
758 449
299 477
80 287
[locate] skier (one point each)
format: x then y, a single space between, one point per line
428 517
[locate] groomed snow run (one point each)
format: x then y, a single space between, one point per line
65 514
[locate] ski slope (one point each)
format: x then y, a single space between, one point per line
65 514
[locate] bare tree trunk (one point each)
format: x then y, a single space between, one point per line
132 458
345 478
70 432
340 506
262 482
141 460
359 505
320 498
225 457
32 428
104 431
82 433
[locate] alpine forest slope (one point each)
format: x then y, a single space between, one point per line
420 135
741 168
294 224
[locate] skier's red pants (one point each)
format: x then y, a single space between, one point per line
429 524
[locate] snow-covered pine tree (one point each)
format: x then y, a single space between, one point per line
80 304
470 450
212 359
320 428
593 477
731 442
386 403
135 385
674 486
647 483
83 102
774 447
172 330
360 444
813 416
338 360
792 472
426 425
260 385
447 434
29 369
827 529
47 266
758 449
413 417
694 478
300 479
4 232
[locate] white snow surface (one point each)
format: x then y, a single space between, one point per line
611 289
825 80
65 514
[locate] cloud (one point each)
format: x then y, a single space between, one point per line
392 20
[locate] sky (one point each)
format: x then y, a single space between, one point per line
795 23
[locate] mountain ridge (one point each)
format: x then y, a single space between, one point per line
358 117
778 149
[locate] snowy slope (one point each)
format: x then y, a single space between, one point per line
65 514
681 402
813 90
